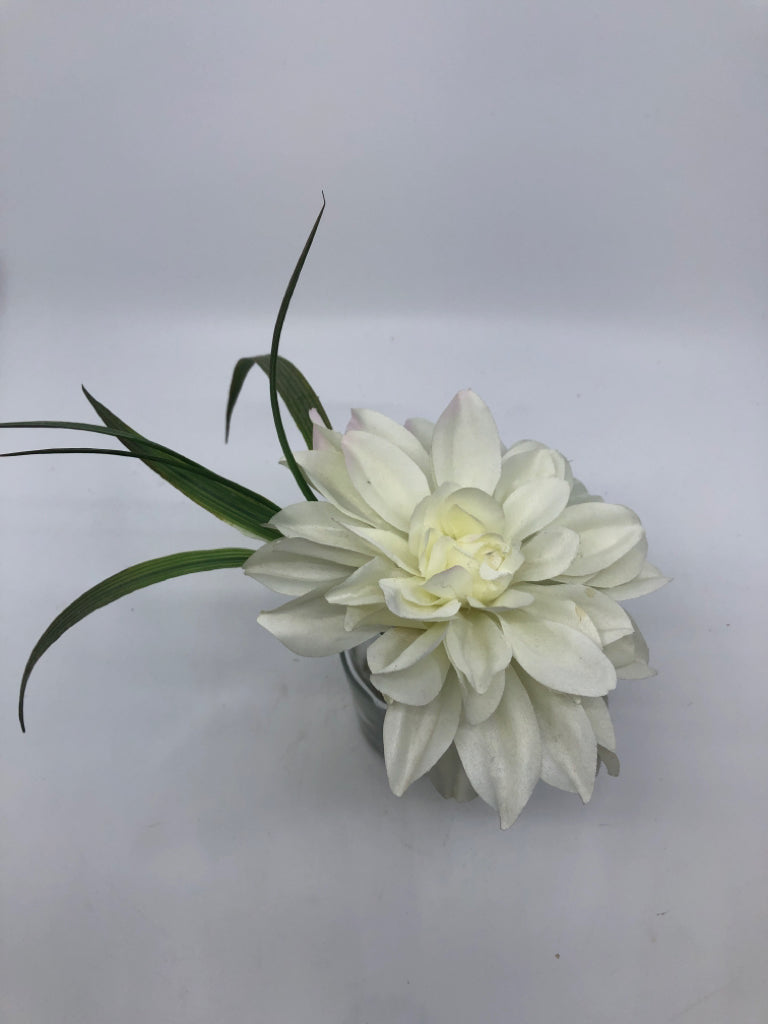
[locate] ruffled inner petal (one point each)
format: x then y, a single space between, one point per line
408 599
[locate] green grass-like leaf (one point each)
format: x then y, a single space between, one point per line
298 476
292 386
225 499
86 451
145 574
229 501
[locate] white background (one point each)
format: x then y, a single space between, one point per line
562 206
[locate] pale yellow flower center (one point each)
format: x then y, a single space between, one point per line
453 538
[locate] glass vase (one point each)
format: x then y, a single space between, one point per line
370 706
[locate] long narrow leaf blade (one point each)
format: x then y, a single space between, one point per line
230 501
297 393
145 574
292 386
248 511
86 451
304 487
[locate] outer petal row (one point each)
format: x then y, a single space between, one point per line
388 480
558 656
502 756
416 737
606 532
311 627
377 423
466 449
569 748
296 567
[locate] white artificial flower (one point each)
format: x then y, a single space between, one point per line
491 580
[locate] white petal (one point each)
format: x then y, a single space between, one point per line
553 605
558 656
426 516
422 430
387 479
455 583
548 553
408 599
378 617
519 468
466 446
596 709
400 648
636 670
647 580
512 598
318 521
476 707
533 506
569 749
389 543
580 494
313 628
416 737
623 569
630 656
449 778
327 472
609 759
606 532
477 648
502 756
323 438
362 586
482 511
610 619
377 423
294 566
418 684
527 445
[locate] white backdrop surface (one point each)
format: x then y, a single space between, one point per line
562 207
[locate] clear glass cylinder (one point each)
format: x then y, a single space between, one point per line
370 706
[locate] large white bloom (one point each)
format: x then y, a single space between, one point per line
493 578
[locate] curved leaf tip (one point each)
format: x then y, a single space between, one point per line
145 574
